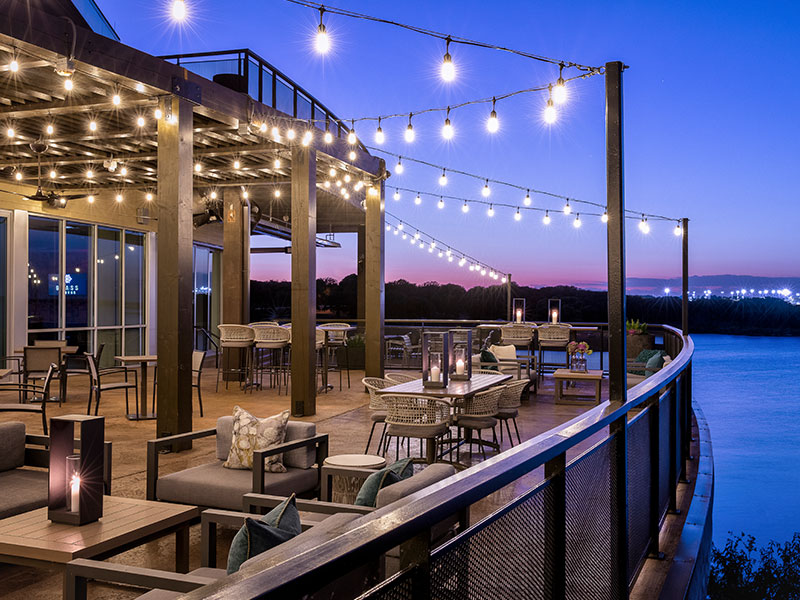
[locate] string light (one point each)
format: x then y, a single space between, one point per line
517 215
10 132
140 121
396 195
179 11
90 199
53 174
447 129
418 200
328 137
158 114
123 171
465 207
351 155
443 178
567 208
115 100
13 66
379 137
50 129
213 195
678 231
307 138
527 200
604 218
148 196
277 164
291 134
118 198
236 164
89 174
644 227
448 69
399 168
490 211
140 88
577 222
275 132
492 123
409 134
322 43
18 175
560 88
546 218
351 136
92 126
68 85
486 191
277 193
440 204
198 167
550 113
347 178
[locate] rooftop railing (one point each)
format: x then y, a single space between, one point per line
583 532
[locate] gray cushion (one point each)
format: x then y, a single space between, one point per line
508 413
295 430
12 445
428 476
22 490
475 422
417 431
214 486
378 416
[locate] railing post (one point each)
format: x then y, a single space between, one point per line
416 553
619 506
654 420
556 527
674 444
686 422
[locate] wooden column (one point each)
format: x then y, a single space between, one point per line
304 281
175 272
374 258
361 280
235 268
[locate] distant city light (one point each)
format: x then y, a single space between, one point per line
666 291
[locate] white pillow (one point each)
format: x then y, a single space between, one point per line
504 352
250 434
476 359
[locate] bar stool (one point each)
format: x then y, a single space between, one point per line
553 336
276 339
337 338
234 336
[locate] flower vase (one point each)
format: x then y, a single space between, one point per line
582 362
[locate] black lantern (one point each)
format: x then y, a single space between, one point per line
519 310
75 492
554 310
460 353
434 359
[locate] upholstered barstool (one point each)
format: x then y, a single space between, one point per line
235 337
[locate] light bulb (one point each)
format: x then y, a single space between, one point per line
115 99
213 195
490 212
277 165
338 183
277 193
307 138
440 204
89 174
351 155
148 196
119 198
399 168
327 184
678 230
347 178
198 167
567 208
604 217
351 137
275 132
492 123
322 43
396 195
577 222
560 91
178 11
140 121
18 175
448 69
140 88
68 85
465 207
53 174
517 215
379 137
328 137
400 226
550 113
546 218
418 200
409 134
236 164
10 132
92 126
13 66
644 226
416 235
443 178
486 191
503 279
157 113
291 134
50 129
331 171
245 194
447 130
90 199
123 171
527 200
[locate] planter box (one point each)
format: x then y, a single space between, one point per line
355 354
636 343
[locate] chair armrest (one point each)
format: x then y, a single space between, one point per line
209 520
254 501
81 570
319 441
153 446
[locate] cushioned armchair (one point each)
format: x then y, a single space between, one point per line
218 487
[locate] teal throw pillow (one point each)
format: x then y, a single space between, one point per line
654 364
278 525
403 467
488 357
646 355
373 484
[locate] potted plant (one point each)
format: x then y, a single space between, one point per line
355 352
638 339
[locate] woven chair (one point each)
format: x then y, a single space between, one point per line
264 323
485 372
553 336
38 394
36 364
337 338
421 418
275 339
508 407
377 405
478 413
234 337
401 377
97 388
404 347
516 335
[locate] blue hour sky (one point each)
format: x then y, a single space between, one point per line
712 128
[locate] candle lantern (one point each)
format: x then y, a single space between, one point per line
554 310
75 481
460 353
519 310
435 359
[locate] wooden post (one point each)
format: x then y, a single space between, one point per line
361 278
509 309
685 277
175 334
374 258
304 281
235 268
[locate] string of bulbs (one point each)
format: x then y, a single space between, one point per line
441 249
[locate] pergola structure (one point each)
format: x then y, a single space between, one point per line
173 138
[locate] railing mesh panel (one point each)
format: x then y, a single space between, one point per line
663 452
638 489
399 587
504 559
590 483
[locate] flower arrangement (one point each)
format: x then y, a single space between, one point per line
635 327
576 347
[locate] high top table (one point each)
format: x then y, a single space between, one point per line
455 389
141 413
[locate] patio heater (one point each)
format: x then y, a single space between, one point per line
434 359
460 353
519 310
75 481
554 310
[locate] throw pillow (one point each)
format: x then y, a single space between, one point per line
508 352
646 355
488 357
403 467
654 364
250 434
368 493
278 525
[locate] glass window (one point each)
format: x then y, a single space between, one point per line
252 77
80 338
303 107
3 259
110 339
284 98
43 270
77 274
133 341
108 273
134 278
41 335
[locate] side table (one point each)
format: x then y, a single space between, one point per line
339 484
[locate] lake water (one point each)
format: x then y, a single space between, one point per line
749 391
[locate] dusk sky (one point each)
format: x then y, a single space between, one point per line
712 127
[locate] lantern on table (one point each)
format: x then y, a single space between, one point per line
75 480
554 310
435 359
519 310
460 353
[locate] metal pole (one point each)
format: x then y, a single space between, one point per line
685 298
510 316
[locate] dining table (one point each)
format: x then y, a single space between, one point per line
143 360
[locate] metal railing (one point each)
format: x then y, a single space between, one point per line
583 532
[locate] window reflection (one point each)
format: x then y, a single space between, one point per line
43 270
134 278
109 266
77 274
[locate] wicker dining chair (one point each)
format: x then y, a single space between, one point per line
234 337
508 407
553 336
420 418
477 413
377 405
401 377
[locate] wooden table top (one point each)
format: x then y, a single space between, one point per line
4 373
137 358
125 520
591 374
454 389
362 461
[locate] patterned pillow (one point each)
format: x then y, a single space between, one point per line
250 434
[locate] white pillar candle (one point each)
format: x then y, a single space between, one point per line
75 492
435 373
459 367
519 315
555 316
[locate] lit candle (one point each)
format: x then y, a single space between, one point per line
435 373
459 367
555 316
519 315
75 489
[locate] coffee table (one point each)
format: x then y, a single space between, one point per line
339 475
30 539
577 397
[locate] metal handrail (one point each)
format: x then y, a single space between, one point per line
390 526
